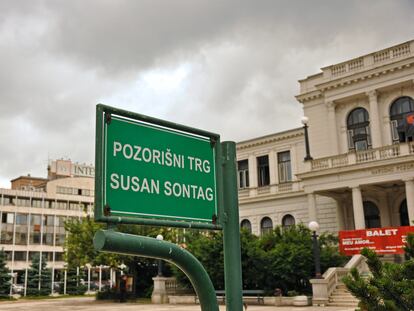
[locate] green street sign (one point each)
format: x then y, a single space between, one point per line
153 169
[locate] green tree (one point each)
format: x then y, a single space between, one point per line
79 249
39 277
390 286
5 277
73 282
281 259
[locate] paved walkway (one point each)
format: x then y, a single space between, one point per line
89 304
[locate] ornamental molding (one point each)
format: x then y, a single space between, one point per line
272 138
353 79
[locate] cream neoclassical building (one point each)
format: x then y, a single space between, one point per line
362 170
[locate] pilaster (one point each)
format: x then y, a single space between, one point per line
333 135
409 193
252 175
376 135
313 214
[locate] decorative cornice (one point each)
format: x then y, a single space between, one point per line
354 78
298 132
302 98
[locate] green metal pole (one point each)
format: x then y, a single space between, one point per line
231 232
116 242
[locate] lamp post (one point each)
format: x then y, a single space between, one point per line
314 226
305 121
160 238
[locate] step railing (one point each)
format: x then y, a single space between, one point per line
323 288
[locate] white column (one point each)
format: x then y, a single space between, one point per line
341 216
358 207
252 175
409 193
333 136
313 215
374 121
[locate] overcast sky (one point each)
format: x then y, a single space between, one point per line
229 67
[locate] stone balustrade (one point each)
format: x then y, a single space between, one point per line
363 156
368 61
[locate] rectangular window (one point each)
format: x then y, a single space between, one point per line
21 219
243 173
35 237
37 203
23 202
7 218
284 167
59 256
8 201
47 238
74 206
36 220
60 239
263 171
20 256
61 204
48 220
32 255
21 238
6 234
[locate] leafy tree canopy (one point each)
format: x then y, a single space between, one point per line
390 286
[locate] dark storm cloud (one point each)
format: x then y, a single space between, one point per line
59 58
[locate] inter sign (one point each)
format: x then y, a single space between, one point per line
152 171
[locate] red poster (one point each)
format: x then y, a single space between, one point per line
388 240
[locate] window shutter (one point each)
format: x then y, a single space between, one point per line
394 131
368 130
350 139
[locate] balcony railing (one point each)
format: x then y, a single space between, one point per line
356 157
270 189
399 51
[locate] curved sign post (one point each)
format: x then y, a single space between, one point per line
154 172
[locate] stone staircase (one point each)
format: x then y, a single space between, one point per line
341 297
329 290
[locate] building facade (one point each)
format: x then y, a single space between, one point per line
360 115
33 213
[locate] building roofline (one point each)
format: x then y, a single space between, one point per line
30 177
269 135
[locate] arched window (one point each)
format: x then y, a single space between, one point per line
399 110
288 220
266 226
404 221
372 215
359 137
245 224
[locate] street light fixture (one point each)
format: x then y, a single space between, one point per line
305 121
122 266
314 226
160 238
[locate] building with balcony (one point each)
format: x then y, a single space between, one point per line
361 116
